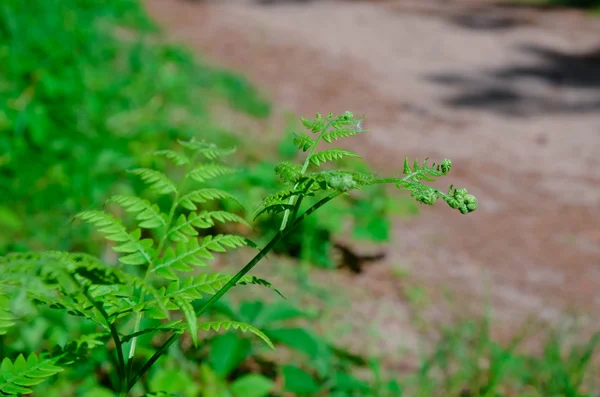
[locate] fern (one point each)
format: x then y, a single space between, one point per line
139 251
17 377
151 278
330 155
209 171
157 181
7 319
226 325
148 214
201 196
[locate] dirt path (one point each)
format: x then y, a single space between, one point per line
511 95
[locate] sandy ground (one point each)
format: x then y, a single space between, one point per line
511 95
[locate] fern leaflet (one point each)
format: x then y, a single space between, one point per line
17 377
226 325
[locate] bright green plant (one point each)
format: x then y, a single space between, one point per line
159 249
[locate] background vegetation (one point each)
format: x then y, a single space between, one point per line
87 90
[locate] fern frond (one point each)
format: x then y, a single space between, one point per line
184 227
226 325
289 173
208 150
190 316
148 214
330 155
334 135
177 158
203 195
205 172
16 377
274 209
303 142
156 180
7 319
139 250
194 253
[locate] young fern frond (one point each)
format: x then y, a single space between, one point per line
177 158
148 214
139 250
201 196
330 155
156 180
209 171
17 377
7 319
208 150
303 141
192 253
227 325
184 227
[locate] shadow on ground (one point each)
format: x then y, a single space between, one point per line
557 82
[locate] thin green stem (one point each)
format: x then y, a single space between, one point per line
280 234
114 334
293 199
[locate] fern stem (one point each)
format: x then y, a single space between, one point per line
114 334
293 199
263 252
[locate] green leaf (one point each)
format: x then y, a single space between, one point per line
140 250
190 315
303 142
208 171
7 319
189 200
226 325
252 385
330 155
298 381
184 227
148 214
177 158
227 351
299 339
17 377
274 209
156 179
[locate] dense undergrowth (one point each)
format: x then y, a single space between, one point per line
88 92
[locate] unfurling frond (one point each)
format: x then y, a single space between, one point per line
148 214
189 200
330 155
177 158
156 179
140 251
17 377
226 325
209 171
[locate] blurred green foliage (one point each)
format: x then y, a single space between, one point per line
85 93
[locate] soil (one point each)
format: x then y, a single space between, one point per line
510 94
